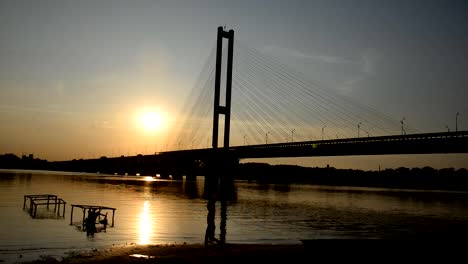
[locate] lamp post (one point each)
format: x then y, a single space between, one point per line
292 135
244 139
323 129
447 127
266 137
402 126
358 128
456 121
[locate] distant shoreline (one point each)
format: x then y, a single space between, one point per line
426 178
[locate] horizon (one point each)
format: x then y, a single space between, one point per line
297 162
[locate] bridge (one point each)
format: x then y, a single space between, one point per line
289 102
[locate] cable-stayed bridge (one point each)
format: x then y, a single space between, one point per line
266 110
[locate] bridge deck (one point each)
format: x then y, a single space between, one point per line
430 143
187 162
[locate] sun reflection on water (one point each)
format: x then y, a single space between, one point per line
149 178
145 224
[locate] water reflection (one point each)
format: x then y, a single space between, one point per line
222 189
145 224
149 178
191 189
274 216
210 221
211 226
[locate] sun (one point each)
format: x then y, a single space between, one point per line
151 121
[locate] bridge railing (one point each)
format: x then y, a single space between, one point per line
412 137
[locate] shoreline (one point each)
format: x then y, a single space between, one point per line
365 250
180 253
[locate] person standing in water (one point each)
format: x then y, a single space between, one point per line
91 222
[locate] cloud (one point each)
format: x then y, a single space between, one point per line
297 54
59 88
348 86
105 124
47 109
343 74
369 59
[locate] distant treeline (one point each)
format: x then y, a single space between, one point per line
11 161
406 178
414 178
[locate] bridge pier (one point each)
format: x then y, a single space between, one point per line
219 185
220 171
191 177
164 175
177 176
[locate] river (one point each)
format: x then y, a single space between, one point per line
153 211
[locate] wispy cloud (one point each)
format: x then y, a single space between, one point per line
366 62
59 87
369 60
106 124
48 110
280 51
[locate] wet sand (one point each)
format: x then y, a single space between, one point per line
371 251
178 253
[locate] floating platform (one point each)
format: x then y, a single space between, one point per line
43 199
85 209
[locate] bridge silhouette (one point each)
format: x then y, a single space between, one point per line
290 117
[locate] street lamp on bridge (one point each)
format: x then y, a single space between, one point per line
456 121
292 135
358 128
266 137
323 129
244 139
402 126
447 127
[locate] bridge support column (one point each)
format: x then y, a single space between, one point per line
219 167
221 171
219 185
191 177
226 109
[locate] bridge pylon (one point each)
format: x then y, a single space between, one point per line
220 109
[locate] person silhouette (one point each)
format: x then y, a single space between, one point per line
210 219
103 221
91 222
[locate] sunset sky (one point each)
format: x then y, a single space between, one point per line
82 79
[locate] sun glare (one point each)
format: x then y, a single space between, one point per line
145 224
151 121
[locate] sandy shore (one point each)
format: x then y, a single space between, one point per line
369 251
177 253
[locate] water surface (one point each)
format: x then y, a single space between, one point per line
153 211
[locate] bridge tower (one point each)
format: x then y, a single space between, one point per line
226 109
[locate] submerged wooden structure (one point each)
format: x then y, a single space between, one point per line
85 209
43 199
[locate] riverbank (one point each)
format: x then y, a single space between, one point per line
329 250
184 253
